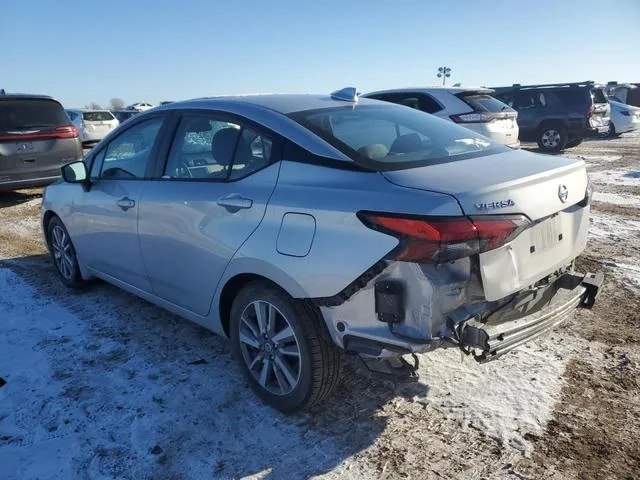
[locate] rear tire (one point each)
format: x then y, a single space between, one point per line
612 131
552 138
63 254
284 348
573 143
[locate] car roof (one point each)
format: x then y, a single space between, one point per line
281 103
27 96
452 90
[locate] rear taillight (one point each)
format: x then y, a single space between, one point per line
63 131
590 111
588 194
440 240
476 117
66 131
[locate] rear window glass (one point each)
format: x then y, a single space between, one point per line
484 103
598 96
19 114
392 137
97 116
122 116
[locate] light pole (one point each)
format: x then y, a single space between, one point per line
444 72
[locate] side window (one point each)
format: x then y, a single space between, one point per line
621 94
542 100
429 104
72 115
412 102
127 156
202 148
253 153
527 99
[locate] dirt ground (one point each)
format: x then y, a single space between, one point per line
372 428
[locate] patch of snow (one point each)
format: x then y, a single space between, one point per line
616 177
626 270
505 399
95 385
612 227
24 227
617 199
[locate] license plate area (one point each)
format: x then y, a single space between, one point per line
546 234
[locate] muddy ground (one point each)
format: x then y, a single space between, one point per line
372 428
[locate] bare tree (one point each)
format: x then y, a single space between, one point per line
116 104
93 106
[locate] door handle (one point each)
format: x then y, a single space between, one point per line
235 202
125 203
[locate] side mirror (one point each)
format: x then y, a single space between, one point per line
76 172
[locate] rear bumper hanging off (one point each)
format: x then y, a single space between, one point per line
575 291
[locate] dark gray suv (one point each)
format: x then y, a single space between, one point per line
36 139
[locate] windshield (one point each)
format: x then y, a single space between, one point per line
20 114
97 116
391 137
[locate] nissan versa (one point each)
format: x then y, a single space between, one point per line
300 226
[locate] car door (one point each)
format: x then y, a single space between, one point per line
105 221
213 192
528 104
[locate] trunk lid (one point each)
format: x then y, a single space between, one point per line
545 188
505 183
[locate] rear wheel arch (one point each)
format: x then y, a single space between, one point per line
231 288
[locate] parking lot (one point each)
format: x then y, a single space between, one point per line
102 384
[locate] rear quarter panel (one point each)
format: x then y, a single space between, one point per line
342 248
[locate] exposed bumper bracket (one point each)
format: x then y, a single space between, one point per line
494 340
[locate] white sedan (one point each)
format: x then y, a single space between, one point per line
624 118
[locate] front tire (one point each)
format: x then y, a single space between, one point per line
552 138
63 254
283 347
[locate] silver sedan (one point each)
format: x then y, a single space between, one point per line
302 226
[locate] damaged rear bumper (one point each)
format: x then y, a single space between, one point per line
494 340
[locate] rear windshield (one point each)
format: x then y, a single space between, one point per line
598 95
391 137
122 116
97 116
20 114
484 103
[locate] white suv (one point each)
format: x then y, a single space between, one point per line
473 108
93 125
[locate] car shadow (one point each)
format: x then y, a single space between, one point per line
130 366
11 198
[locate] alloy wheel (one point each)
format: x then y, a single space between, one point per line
62 253
270 348
551 138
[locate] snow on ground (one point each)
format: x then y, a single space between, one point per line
95 392
613 227
617 199
616 177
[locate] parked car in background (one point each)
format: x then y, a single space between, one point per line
628 93
36 139
140 106
122 115
624 118
303 225
473 108
93 125
558 116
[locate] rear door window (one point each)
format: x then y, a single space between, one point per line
19 114
97 116
527 99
